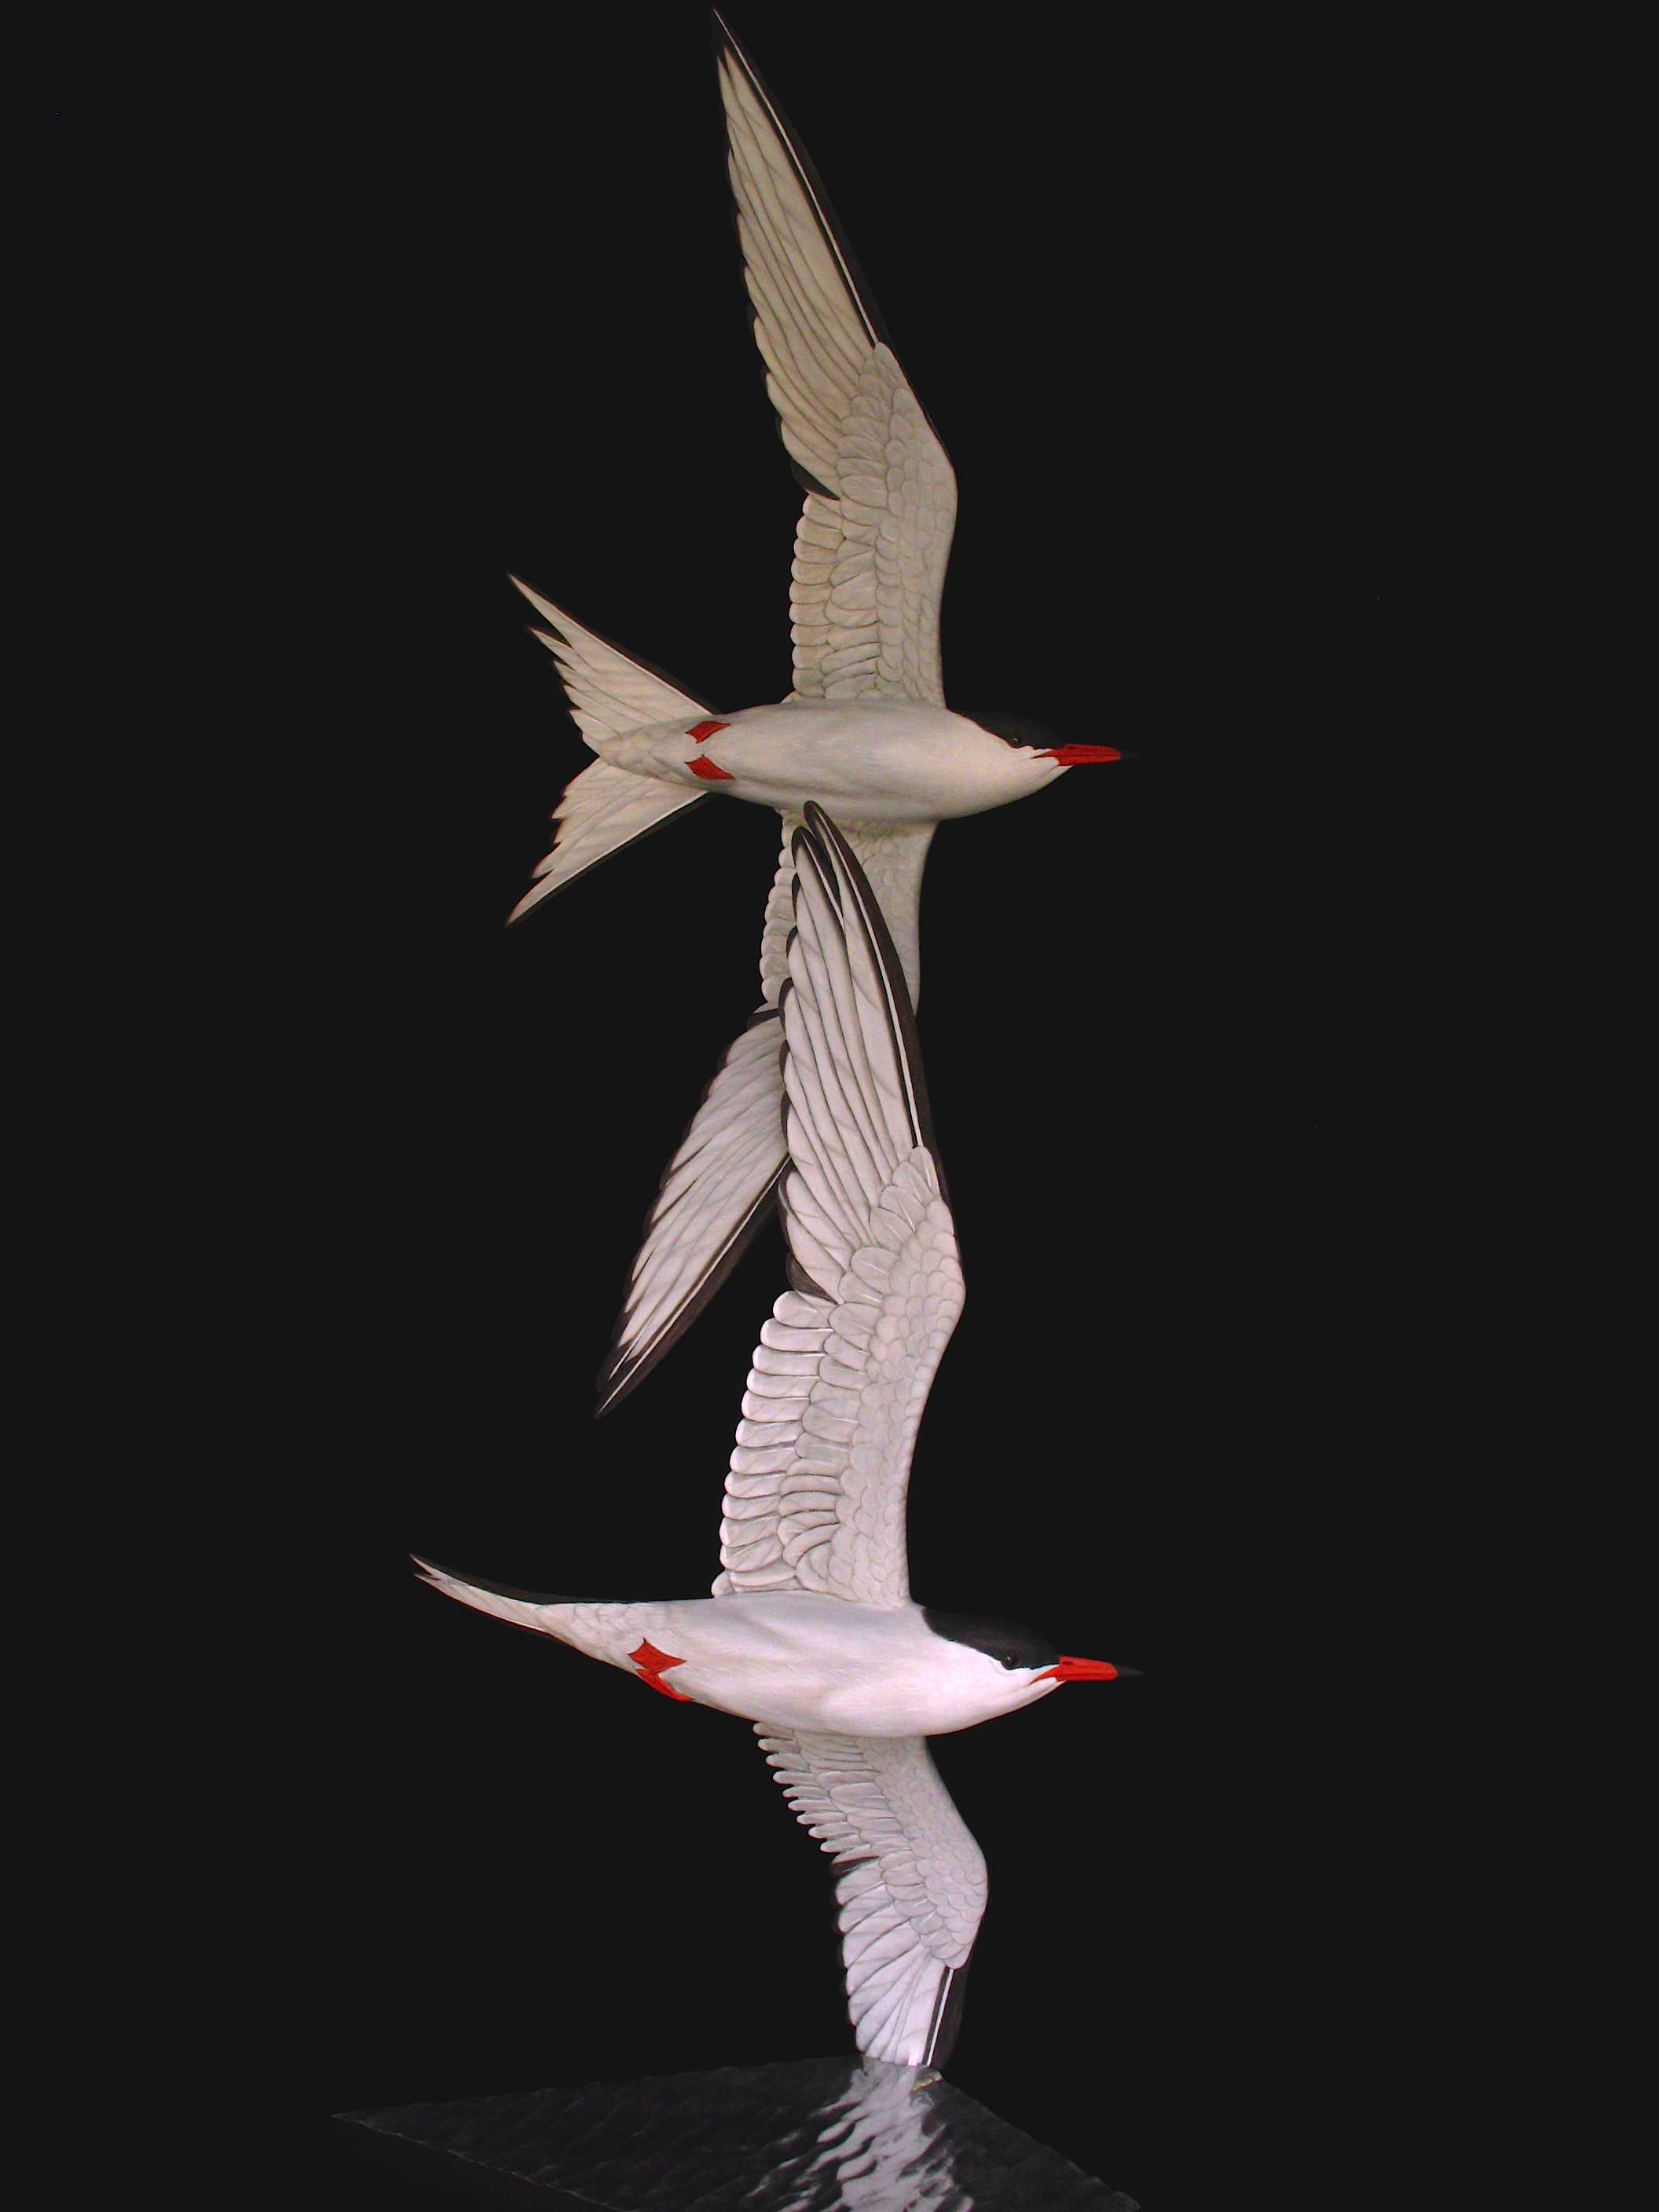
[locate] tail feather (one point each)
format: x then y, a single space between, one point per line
606 1633
604 807
603 810
524 1608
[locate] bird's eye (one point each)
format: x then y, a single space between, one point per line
1010 1659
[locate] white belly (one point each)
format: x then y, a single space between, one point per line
818 1663
888 762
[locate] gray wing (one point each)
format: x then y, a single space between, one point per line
815 1497
874 535
914 1891
718 1188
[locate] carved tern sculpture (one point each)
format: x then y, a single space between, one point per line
865 730
812 1633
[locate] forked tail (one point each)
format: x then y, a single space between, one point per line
604 807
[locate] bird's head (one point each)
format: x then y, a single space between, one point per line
1011 1666
1042 750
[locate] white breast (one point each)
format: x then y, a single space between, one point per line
818 1663
873 761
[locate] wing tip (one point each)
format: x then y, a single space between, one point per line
625 1370
544 607
831 840
947 2023
727 41
537 894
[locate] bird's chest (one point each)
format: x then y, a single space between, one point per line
849 1693
867 768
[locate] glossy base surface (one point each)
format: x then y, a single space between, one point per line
813 2136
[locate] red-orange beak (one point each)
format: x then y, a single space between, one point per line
1080 756
1084 1670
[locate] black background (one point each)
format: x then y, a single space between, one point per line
1166 314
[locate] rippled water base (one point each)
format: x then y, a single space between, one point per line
812 2136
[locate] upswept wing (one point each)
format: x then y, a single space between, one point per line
604 808
914 1891
815 1498
874 535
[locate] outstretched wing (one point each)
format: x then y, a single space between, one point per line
719 1186
874 536
816 1496
604 807
914 1891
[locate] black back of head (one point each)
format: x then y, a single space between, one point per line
1001 1640
1015 730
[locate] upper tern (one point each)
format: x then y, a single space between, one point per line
865 730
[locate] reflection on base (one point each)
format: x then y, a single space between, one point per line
817 2135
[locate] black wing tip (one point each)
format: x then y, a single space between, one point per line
727 41
622 1376
618 1378
518 917
816 841
947 2014
831 838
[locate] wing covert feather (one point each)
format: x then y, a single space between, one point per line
913 1892
816 1495
874 535
717 1189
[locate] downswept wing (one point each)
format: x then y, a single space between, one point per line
874 535
719 1186
815 1498
914 1891
604 808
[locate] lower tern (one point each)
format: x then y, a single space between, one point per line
812 1633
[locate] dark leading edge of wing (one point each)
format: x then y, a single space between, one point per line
820 829
624 1372
727 41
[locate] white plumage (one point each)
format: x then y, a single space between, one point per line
604 807
913 1894
874 536
865 730
812 1633
816 1494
